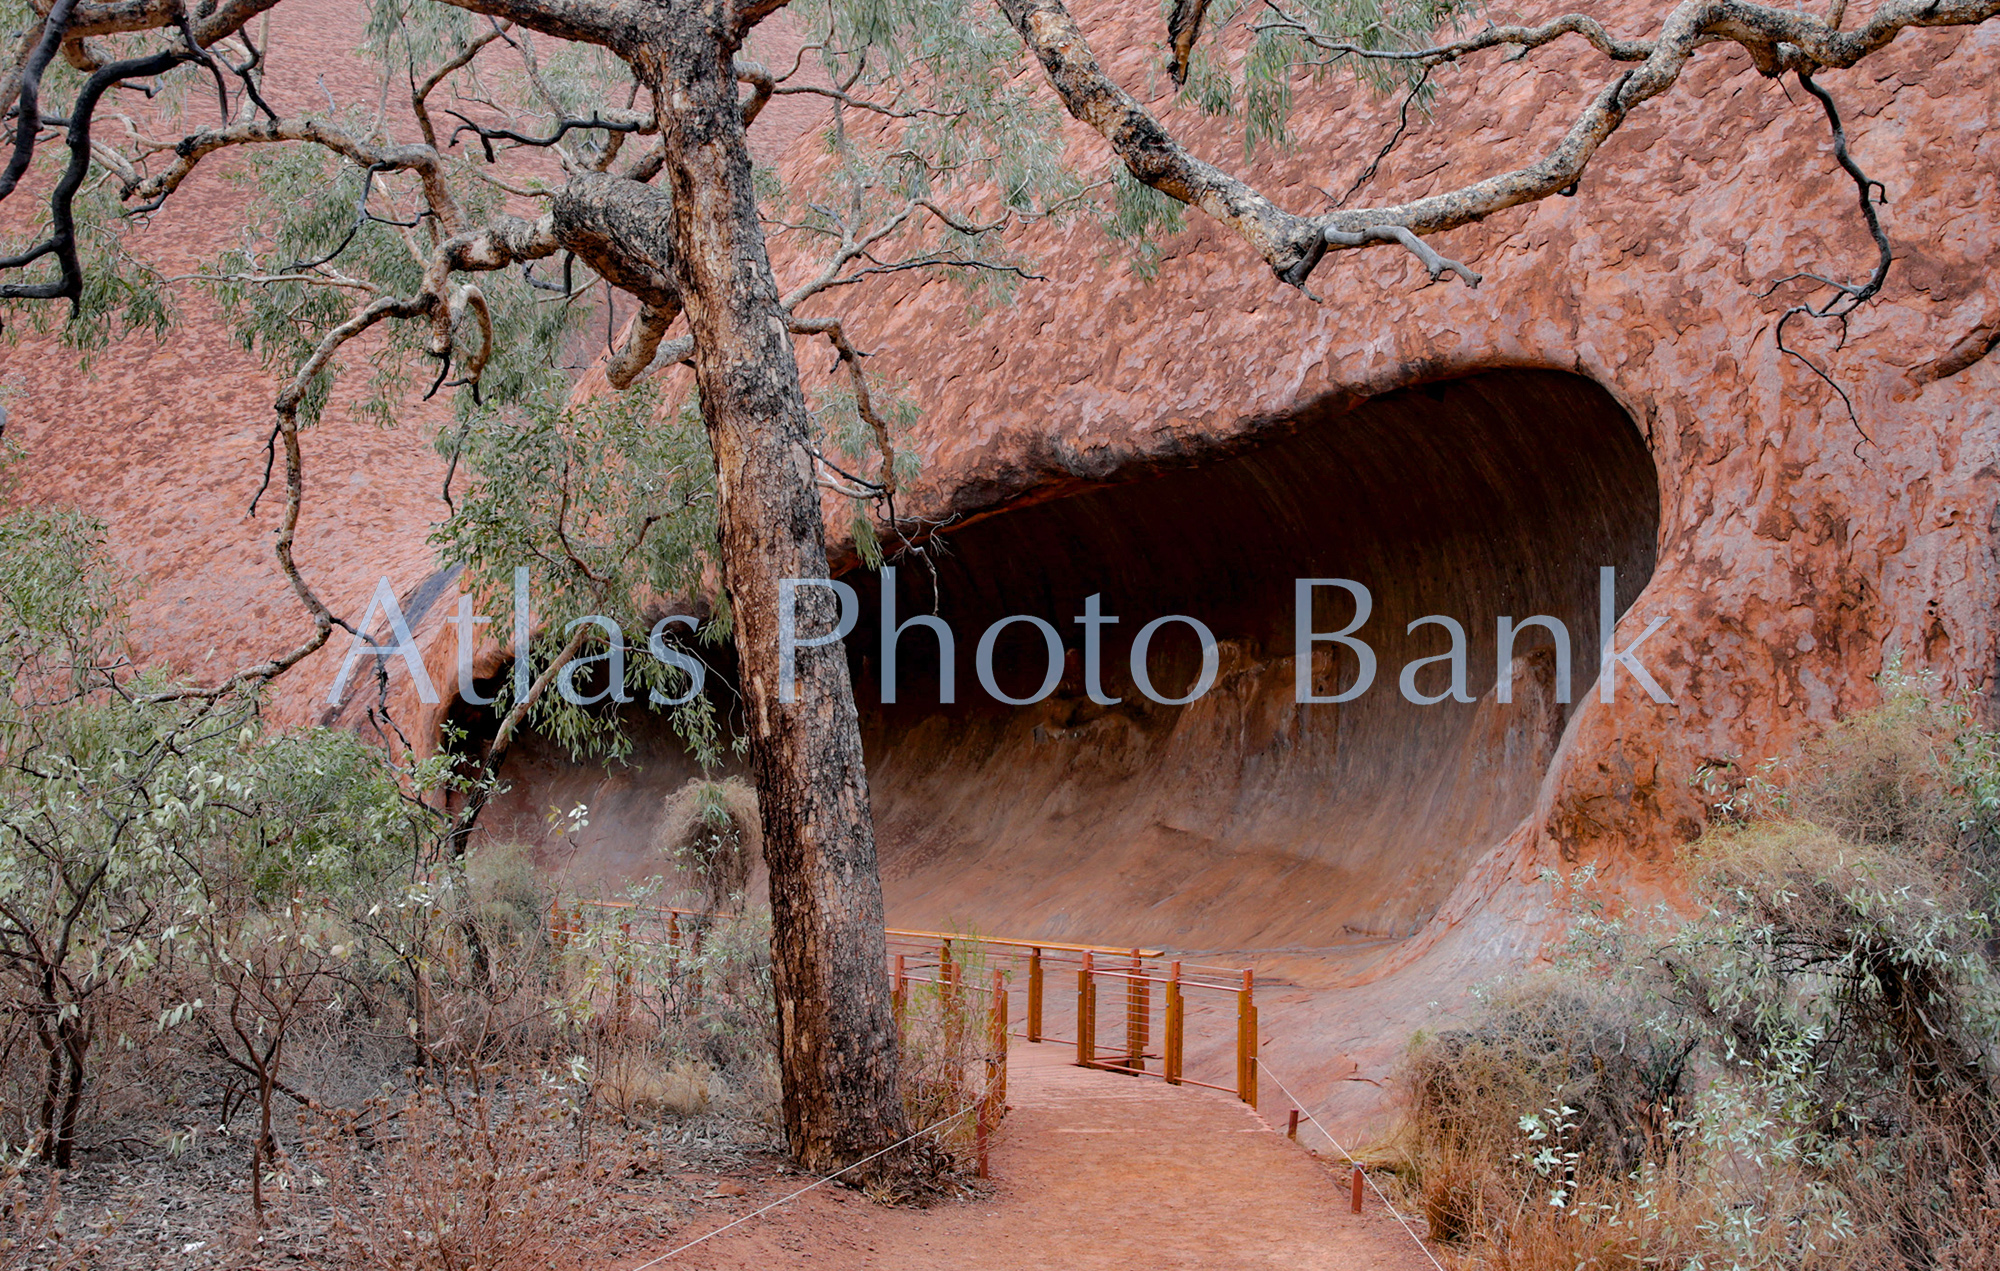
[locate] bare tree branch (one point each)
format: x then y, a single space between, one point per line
762 85
1183 29
123 16
420 159
609 24
1436 264
635 357
620 121
1778 40
1283 240
1402 126
28 86
61 242
1847 297
1521 37
864 404
420 93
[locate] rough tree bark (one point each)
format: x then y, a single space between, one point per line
697 247
836 1034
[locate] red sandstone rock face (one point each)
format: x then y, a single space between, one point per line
1793 549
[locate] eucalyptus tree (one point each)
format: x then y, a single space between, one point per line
606 145
81 837
612 133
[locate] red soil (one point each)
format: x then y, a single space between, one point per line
1092 1172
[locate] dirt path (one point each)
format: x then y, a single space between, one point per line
1093 1172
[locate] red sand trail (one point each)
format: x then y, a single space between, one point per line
1093 1171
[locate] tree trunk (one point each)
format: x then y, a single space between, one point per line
837 1041
76 1044
53 1060
66 1047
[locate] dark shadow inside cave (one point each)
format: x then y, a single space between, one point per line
1245 816
1244 819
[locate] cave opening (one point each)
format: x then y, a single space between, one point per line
1242 819
1246 818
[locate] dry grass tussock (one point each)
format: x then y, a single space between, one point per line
641 1085
712 832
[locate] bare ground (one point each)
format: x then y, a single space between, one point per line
1093 1171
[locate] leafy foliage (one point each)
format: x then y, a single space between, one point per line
611 506
1254 57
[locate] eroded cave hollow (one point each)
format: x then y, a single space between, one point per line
1247 819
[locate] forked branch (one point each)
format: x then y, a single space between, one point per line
1847 297
1778 40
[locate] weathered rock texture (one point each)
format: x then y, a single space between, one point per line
1611 395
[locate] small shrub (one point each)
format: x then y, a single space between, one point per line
509 895
474 1179
1853 957
1891 775
33 1236
1552 1041
1803 1073
1587 1236
948 1062
1454 1188
1965 1230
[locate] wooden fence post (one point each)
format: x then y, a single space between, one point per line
900 998
1176 1026
951 998
1246 1041
996 1041
994 1100
1086 1015
1138 1014
979 1136
1035 995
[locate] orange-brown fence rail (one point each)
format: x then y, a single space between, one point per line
1125 1010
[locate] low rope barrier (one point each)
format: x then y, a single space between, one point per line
786 1200
1387 1204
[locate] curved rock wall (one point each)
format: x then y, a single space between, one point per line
1246 818
1796 547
